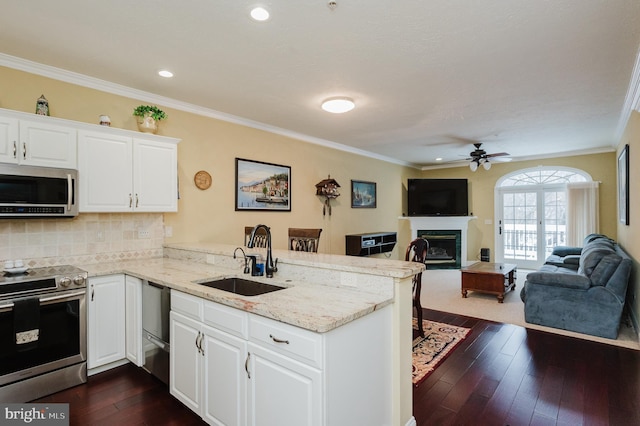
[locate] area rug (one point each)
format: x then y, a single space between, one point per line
438 342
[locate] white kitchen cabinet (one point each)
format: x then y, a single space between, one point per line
206 364
236 368
37 141
9 143
48 145
185 363
120 173
282 391
133 320
106 320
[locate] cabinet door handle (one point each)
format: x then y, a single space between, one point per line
246 365
275 339
199 343
137 201
130 201
24 150
93 292
15 149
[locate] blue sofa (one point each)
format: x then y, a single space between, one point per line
580 289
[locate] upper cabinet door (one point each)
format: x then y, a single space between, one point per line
8 140
105 175
155 176
48 145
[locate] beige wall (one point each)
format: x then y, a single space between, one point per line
629 236
212 145
601 167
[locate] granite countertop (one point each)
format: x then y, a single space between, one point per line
314 307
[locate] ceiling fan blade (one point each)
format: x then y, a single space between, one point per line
501 159
498 154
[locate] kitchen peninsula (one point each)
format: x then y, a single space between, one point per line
353 316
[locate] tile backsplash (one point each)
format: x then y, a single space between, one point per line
88 238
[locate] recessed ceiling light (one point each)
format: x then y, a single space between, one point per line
338 105
439 159
165 73
260 14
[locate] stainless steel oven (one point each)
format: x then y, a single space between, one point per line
43 335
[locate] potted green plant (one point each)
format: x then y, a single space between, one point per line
148 117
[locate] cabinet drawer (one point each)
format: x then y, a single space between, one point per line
225 318
294 342
186 304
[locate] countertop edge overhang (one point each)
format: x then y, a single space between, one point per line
312 306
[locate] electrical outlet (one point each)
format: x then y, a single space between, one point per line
168 231
100 236
143 234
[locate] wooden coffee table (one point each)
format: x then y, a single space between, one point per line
495 278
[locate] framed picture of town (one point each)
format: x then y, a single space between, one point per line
363 194
262 186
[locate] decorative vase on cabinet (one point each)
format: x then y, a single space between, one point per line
147 123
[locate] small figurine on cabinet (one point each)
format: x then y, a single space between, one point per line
42 106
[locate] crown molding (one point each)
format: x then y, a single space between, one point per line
631 101
128 92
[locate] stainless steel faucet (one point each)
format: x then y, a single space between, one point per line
270 266
246 264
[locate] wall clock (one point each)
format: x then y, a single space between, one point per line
202 180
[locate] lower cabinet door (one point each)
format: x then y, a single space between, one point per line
225 378
106 320
185 369
282 391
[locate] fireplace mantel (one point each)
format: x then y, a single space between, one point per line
458 223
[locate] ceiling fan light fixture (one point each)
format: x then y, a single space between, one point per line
338 105
486 165
473 165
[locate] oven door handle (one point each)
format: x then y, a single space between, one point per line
49 299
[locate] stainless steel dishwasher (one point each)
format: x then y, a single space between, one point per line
156 303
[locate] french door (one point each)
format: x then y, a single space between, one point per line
531 221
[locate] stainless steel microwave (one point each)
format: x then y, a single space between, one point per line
32 192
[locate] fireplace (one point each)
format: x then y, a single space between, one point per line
445 248
443 230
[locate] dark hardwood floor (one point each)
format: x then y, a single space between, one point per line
503 374
124 396
500 374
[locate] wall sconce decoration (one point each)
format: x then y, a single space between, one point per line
327 188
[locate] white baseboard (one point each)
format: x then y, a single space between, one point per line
106 367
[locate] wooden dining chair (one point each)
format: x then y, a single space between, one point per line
417 252
261 237
304 239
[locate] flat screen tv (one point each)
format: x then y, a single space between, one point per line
438 197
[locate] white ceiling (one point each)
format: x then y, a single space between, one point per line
429 77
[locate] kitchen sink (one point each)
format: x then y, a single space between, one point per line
242 286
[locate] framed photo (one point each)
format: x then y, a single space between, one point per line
262 186
363 194
623 185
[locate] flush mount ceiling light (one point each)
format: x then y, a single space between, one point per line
338 105
260 14
165 73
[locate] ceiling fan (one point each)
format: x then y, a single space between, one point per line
479 156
